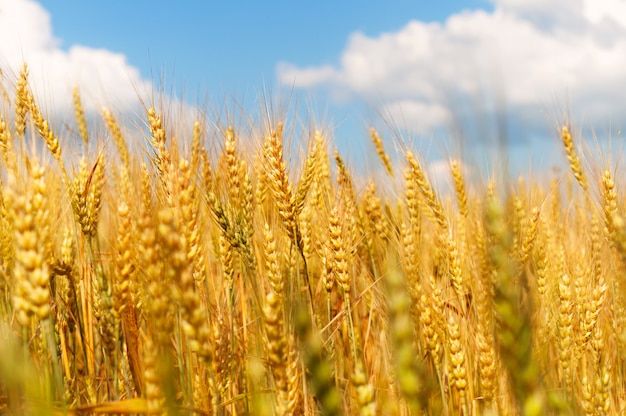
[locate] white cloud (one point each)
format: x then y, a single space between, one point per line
307 77
607 10
105 78
535 53
418 115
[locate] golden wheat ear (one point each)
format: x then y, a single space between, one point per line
31 274
278 180
573 158
6 147
79 113
117 136
21 103
380 150
418 175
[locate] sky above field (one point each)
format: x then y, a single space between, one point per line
453 75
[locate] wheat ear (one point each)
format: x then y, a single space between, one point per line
79 113
380 150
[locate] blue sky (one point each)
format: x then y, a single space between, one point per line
454 75
232 46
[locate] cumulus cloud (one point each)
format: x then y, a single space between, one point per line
532 55
105 78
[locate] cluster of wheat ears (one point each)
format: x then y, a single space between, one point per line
189 271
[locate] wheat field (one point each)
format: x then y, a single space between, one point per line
163 268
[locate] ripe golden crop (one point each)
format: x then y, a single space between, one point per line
152 274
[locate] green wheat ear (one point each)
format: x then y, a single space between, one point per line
413 380
514 310
318 368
